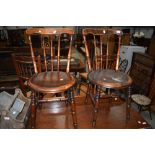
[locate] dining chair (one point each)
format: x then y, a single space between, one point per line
24 69
144 102
51 80
102 50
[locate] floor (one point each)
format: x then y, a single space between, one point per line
57 116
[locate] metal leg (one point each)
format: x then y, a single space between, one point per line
73 107
33 110
79 85
128 104
140 108
150 111
96 105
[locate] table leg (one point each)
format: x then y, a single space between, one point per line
96 105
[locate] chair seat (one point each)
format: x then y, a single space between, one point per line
141 99
51 82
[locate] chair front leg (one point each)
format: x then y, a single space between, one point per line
73 107
33 110
96 106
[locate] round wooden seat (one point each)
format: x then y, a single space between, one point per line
51 82
109 78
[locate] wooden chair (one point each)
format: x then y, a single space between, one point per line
25 69
52 80
144 102
102 49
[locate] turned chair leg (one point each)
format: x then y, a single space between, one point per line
73 108
33 110
96 107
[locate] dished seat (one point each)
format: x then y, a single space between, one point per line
51 82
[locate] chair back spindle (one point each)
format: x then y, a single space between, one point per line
99 55
54 46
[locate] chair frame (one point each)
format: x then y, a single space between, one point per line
101 61
49 70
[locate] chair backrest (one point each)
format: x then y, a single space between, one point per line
25 68
52 44
102 48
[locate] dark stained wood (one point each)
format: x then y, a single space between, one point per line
51 81
110 78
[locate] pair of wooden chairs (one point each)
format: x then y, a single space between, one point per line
38 71
41 71
46 44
